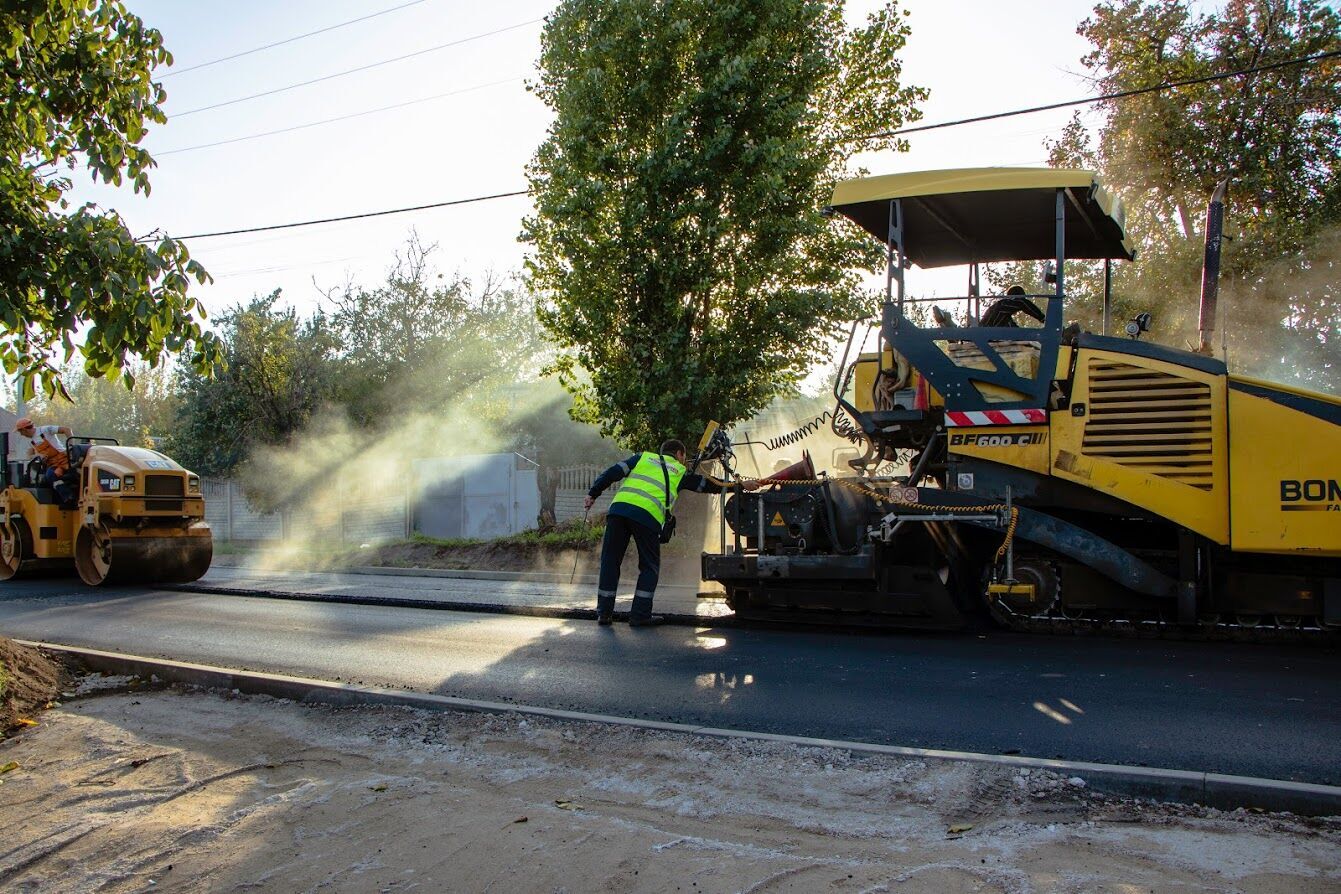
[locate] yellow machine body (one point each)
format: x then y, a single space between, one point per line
1285 469
1150 433
140 517
1245 463
52 529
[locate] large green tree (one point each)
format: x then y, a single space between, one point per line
678 247
1276 135
76 77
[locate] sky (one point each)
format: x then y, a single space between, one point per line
476 126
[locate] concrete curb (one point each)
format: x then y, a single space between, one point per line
540 577
452 605
1182 786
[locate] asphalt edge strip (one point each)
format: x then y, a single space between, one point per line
540 577
1180 786
451 605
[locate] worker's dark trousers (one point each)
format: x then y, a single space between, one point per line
64 492
618 530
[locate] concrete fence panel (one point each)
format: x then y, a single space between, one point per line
361 510
574 483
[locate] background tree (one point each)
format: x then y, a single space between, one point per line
1275 134
421 355
678 247
76 77
280 370
140 415
430 339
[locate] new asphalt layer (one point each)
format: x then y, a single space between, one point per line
1211 789
1205 708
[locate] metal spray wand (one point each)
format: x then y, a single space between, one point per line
576 553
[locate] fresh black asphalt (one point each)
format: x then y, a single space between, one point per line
1249 709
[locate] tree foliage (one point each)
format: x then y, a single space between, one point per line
421 355
678 247
423 340
76 76
102 407
1275 134
279 370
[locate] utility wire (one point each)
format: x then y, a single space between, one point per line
280 43
399 105
1122 94
349 71
326 220
521 192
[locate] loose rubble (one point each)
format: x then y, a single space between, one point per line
190 790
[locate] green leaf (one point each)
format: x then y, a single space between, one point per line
82 91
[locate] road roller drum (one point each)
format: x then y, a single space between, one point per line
109 557
15 544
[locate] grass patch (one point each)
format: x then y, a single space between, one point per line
4 678
574 534
448 542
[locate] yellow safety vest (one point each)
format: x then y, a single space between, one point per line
645 486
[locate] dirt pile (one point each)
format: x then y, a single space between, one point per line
28 680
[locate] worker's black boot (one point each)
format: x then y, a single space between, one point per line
66 497
605 609
641 613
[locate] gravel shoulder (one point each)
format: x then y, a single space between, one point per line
198 791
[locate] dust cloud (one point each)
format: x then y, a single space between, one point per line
466 389
1285 323
341 488
333 469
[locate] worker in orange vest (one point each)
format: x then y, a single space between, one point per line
44 441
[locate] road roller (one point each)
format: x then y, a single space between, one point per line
1008 466
140 517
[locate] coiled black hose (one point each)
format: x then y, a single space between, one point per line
838 421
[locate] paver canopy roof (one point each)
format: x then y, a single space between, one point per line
988 214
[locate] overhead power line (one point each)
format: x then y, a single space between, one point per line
350 71
326 220
1111 96
398 105
1122 94
280 43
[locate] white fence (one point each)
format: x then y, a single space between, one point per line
478 497
351 515
573 486
353 512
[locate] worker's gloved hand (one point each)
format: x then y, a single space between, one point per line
751 485
588 502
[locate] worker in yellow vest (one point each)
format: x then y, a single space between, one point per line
641 511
